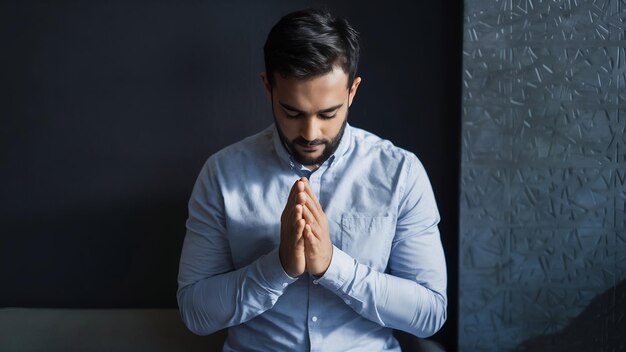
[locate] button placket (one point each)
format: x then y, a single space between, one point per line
313 314
314 304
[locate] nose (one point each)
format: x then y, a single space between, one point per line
310 128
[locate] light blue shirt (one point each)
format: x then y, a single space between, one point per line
387 270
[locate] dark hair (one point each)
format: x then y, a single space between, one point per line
309 43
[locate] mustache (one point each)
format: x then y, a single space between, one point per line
304 142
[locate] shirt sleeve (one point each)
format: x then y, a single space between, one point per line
411 294
211 294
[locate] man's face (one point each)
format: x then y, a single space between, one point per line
311 114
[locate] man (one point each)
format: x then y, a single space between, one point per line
312 234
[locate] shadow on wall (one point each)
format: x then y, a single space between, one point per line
601 326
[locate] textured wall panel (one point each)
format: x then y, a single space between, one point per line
543 178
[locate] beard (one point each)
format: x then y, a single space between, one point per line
330 146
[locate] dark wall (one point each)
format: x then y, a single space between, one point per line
110 109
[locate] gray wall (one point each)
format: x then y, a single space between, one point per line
543 176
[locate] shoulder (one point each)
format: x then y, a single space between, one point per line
251 148
368 145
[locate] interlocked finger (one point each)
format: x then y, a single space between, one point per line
312 208
298 219
311 221
297 187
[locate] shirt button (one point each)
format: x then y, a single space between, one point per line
347 301
284 284
315 282
314 319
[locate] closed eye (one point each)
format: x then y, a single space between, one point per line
293 114
326 114
328 117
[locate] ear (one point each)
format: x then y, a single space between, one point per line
266 85
353 89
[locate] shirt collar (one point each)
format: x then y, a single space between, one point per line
283 155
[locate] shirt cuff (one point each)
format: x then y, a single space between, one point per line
272 271
341 269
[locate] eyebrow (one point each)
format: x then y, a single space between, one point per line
323 111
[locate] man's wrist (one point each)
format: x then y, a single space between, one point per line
328 261
284 263
339 270
273 272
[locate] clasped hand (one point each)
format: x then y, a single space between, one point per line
305 244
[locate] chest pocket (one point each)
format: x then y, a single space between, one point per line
368 238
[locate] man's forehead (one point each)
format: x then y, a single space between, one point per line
311 102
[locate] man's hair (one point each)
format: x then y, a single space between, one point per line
308 43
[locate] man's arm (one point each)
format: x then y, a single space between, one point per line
412 295
211 294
